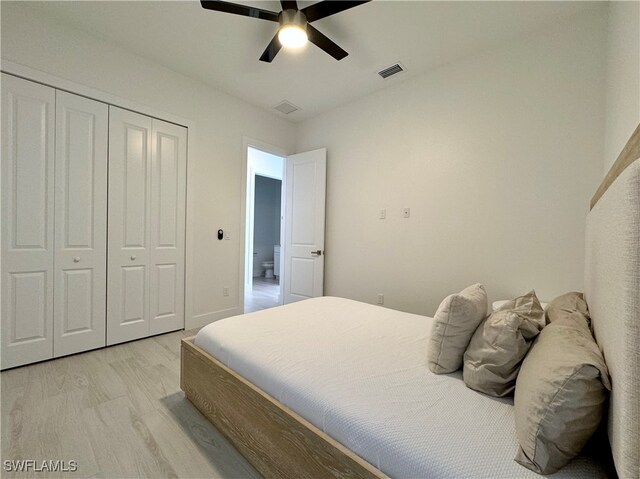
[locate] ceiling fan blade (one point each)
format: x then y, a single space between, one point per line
289 4
237 9
324 43
272 50
329 7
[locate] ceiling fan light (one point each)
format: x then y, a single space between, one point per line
292 36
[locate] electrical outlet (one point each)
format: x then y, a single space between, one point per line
383 214
380 298
225 291
227 235
406 212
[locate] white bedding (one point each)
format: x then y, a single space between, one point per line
358 372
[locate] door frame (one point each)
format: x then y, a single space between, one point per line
248 142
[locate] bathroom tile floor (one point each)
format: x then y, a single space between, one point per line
265 295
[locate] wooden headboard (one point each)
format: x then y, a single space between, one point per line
629 154
612 290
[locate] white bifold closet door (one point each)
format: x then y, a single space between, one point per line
147 190
28 139
54 218
80 260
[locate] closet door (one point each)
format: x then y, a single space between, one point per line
28 117
168 190
129 223
81 224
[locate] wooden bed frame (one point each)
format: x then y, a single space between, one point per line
275 440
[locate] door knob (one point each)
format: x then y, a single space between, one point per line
133 257
76 259
316 253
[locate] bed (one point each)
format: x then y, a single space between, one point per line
336 388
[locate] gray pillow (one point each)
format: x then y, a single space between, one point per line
560 391
454 323
494 355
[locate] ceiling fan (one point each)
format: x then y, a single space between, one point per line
295 29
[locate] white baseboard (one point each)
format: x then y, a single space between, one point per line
201 320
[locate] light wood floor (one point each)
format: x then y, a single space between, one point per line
265 295
119 412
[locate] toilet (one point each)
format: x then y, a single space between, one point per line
268 269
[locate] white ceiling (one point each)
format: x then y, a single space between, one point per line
222 50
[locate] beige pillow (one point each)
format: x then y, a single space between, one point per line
456 319
496 305
560 394
497 348
568 305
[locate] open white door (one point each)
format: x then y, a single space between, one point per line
305 181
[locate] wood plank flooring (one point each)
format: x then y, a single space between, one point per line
265 294
119 412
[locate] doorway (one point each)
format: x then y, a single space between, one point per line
264 230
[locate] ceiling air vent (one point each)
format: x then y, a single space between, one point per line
286 107
392 70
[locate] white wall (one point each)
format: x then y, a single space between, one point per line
265 164
497 156
266 229
623 77
215 161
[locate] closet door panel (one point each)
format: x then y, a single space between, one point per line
135 189
28 122
28 303
129 225
134 286
81 224
168 196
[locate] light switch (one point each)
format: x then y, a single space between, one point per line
406 212
227 235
